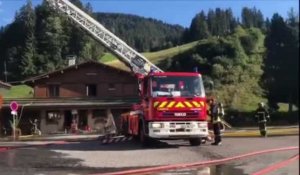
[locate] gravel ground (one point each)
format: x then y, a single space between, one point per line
92 157
129 154
132 155
235 146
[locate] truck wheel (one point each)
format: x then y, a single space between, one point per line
144 140
195 141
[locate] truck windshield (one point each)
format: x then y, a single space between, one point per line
177 86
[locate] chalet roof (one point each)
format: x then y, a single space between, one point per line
72 102
5 85
72 67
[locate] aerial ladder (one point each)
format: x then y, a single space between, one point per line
172 103
134 60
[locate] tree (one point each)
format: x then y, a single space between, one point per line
18 43
27 15
259 19
247 20
231 22
221 22
267 25
293 18
252 18
211 22
199 28
50 39
281 70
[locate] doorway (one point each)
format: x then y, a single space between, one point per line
82 119
68 119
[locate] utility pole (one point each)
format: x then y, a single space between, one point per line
5 71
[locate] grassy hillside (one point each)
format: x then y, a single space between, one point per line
20 91
154 57
234 63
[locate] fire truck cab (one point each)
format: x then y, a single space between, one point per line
172 107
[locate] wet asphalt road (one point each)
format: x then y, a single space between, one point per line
92 158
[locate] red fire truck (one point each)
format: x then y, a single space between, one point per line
172 103
173 107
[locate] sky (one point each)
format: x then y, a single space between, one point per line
169 11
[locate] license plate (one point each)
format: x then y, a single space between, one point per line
180 130
179 114
180 126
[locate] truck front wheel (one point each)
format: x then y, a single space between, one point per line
195 141
144 140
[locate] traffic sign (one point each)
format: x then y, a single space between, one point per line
14 106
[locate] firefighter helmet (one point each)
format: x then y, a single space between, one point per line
211 100
221 105
261 104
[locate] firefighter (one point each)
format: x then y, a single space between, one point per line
262 115
35 130
209 122
216 111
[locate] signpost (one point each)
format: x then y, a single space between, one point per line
14 107
1 101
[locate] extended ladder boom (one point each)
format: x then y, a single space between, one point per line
137 62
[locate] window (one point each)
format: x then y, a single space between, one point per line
99 113
182 86
53 117
111 87
91 90
145 86
53 90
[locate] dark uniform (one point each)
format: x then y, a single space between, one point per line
216 111
262 115
35 130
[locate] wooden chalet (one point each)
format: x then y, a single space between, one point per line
86 93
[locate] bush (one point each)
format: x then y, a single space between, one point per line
285 118
240 119
248 43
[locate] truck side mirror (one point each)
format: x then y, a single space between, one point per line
146 99
140 90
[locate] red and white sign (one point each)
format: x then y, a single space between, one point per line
14 106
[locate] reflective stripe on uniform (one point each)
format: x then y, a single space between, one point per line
217 120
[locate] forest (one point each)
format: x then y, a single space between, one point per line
247 59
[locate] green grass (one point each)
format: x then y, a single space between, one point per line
284 107
107 57
20 91
154 57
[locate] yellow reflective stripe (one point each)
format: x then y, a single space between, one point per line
163 104
155 104
162 109
196 104
188 104
202 103
170 105
179 105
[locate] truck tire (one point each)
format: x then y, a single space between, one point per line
144 140
195 141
